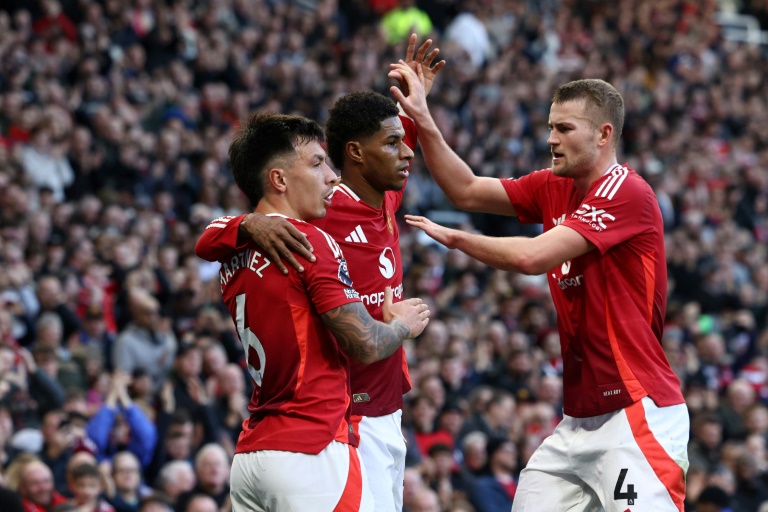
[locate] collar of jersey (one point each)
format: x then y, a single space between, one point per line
281 215
348 191
612 168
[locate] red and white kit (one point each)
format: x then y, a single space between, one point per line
610 310
300 414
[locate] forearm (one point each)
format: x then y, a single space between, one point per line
362 337
513 254
451 173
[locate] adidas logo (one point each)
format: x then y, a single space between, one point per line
357 236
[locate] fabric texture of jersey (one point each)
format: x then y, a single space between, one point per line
611 301
371 243
301 399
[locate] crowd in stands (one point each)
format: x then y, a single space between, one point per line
121 378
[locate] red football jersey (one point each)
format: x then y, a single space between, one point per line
301 398
611 301
371 243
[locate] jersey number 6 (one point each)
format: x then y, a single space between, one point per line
251 344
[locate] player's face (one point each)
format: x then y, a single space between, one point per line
310 182
386 156
573 139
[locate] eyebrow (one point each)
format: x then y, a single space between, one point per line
561 123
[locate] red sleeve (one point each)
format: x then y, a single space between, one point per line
410 140
526 195
219 239
608 218
327 279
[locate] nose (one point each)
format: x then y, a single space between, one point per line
552 140
330 176
406 153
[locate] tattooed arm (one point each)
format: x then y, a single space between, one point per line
368 340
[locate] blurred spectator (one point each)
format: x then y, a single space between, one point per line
176 477
212 471
143 343
495 489
36 488
201 503
405 19
495 420
126 489
713 499
121 425
85 485
425 500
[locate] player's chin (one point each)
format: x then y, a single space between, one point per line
559 169
397 184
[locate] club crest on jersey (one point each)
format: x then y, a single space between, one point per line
344 273
389 224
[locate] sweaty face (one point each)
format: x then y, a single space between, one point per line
386 156
573 139
309 182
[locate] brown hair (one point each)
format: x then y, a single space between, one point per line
604 103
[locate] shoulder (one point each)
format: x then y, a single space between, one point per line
537 176
323 243
622 183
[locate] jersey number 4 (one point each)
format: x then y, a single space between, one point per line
254 350
630 495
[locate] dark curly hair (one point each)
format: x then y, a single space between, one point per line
355 116
260 141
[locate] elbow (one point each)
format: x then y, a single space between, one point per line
461 202
464 202
531 264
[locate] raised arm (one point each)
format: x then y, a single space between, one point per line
465 190
518 254
368 340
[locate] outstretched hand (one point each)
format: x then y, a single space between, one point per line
445 236
425 60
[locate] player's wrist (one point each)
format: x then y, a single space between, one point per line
401 329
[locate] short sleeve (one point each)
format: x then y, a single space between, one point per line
619 209
525 194
327 279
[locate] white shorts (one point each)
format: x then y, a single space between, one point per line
632 459
382 449
278 481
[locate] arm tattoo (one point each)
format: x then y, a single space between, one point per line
362 337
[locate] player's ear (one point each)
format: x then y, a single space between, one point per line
277 179
354 150
606 134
